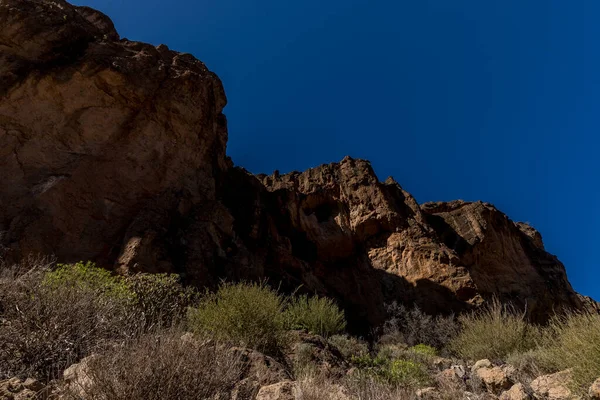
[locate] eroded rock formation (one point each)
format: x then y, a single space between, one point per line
95 130
114 151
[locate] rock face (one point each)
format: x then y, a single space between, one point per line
114 151
99 137
589 304
503 258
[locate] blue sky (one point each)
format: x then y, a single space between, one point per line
469 99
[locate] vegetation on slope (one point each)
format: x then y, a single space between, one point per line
153 338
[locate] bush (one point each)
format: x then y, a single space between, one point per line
424 350
318 315
160 298
414 327
573 341
494 332
51 319
87 277
367 363
349 346
165 367
250 314
530 365
406 373
395 372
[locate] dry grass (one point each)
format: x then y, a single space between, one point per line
45 327
530 364
363 387
314 387
162 367
573 341
494 332
349 346
355 387
414 327
51 315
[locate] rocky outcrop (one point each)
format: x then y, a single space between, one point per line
367 242
495 379
516 392
100 138
589 304
114 151
16 389
504 259
554 386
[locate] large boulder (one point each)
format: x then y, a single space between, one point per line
484 363
258 371
451 379
78 378
494 379
516 392
554 386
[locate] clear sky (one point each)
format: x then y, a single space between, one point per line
467 99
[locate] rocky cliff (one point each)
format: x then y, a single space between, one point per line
114 151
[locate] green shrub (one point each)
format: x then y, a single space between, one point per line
318 315
396 372
349 346
420 354
494 332
86 276
406 373
160 298
250 314
573 341
424 350
369 363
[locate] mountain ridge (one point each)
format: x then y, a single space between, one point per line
115 151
